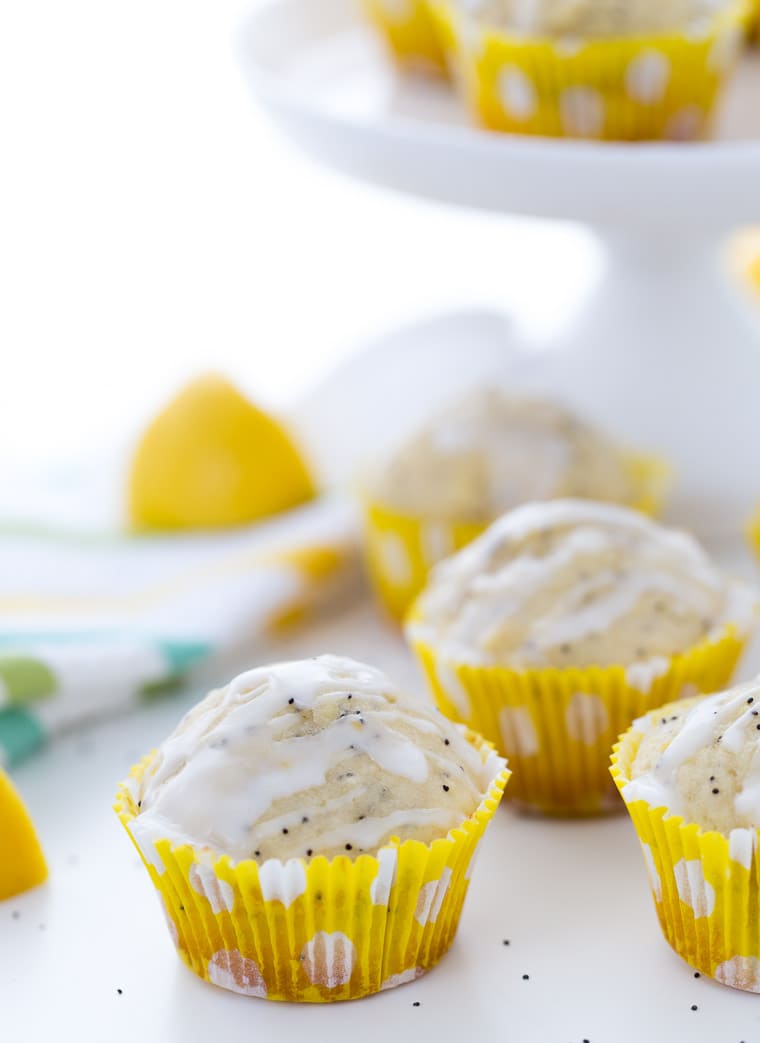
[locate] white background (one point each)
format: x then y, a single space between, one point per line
152 225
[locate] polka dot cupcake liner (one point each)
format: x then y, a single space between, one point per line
315 930
407 29
705 886
557 727
627 89
401 549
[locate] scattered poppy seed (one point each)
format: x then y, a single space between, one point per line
348 847
290 702
284 829
256 854
309 853
716 790
751 700
694 1006
447 742
16 914
445 788
505 942
416 1003
526 977
119 991
697 974
305 818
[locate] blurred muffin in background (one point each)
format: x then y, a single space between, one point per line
599 69
407 30
485 454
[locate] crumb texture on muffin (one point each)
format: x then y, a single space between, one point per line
702 760
316 757
574 583
492 451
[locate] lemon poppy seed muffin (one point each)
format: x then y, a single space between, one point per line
702 760
564 622
492 451
319 757
574 583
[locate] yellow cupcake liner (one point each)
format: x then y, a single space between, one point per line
401 549
706 886
557 727
315 930
407 28
660 87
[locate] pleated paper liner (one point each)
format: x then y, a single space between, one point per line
402 548
408 32
706 886
626 89
557 727
315 930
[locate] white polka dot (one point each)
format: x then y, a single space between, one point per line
380 888
454 690
654 877
725 51
693 889
582 111
411 974
641 676
686 124
742 844
740 972
231 970
586 718
568 46
394 558
206 883
471 864
517 93
647 76
518 732
430 898
146 846
397 10
437 542
282 882
328 959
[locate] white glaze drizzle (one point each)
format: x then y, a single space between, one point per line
231 759
469 598
659 786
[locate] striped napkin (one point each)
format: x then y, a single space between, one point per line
91 623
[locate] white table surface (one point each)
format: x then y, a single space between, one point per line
570 897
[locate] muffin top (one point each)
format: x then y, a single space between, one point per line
492 451
595 19
317 757
574 583
701 759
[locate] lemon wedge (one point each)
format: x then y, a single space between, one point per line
212 459
22 864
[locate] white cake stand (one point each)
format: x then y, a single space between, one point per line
663 354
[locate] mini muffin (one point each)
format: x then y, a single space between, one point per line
408 31
646 69
562 623
689 773
483 455
310 830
